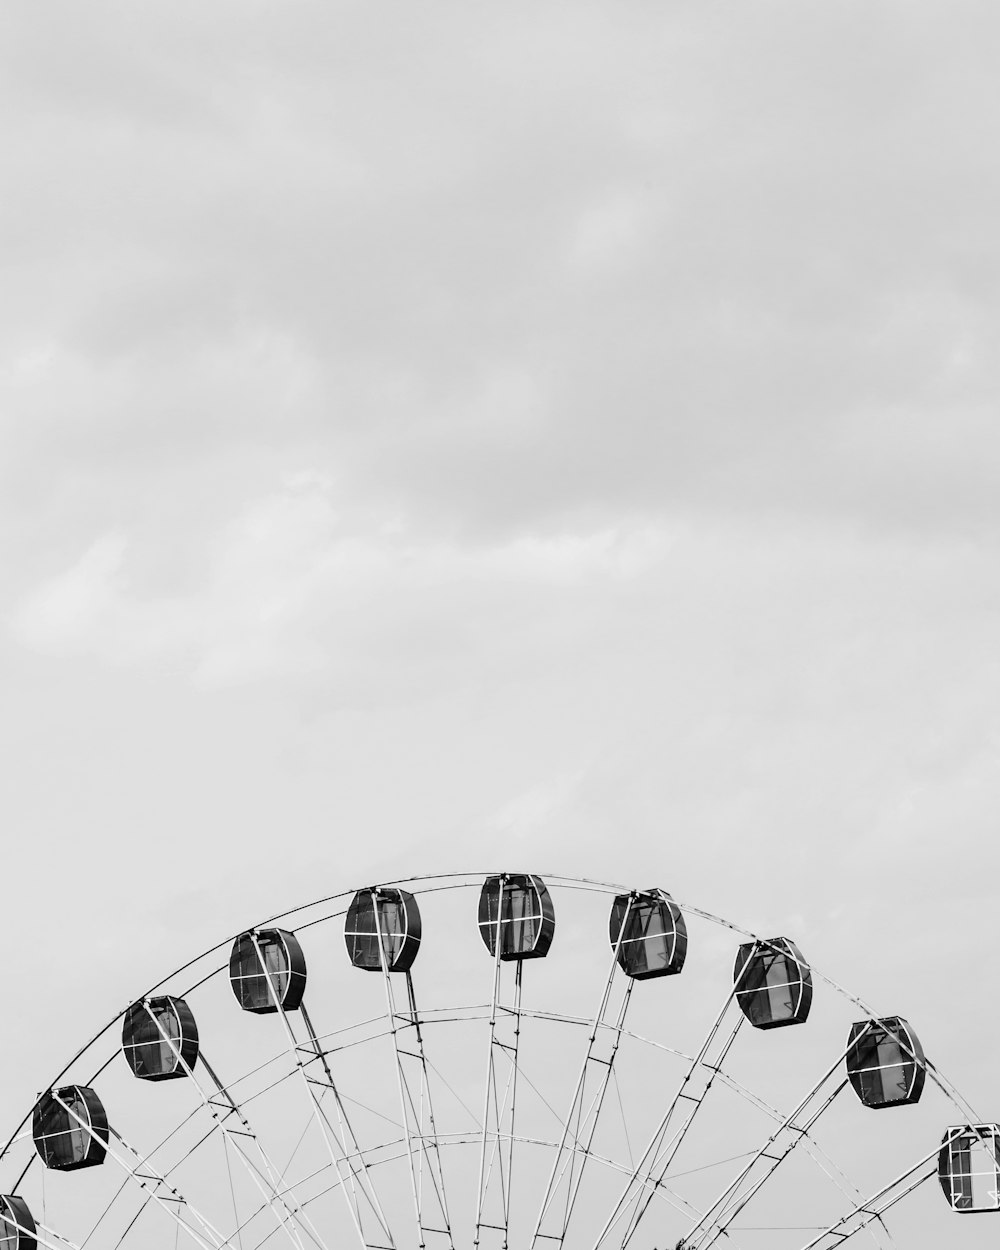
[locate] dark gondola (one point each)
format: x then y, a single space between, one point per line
393 914
885 1063
654 941
17 1228
773 983
969 1168
160 1038
527 919
70 1128
267 971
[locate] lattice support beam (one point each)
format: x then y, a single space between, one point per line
341 1143
648 1174
430 1202
580 1122
496 1147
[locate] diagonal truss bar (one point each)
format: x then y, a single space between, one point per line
499 1106
724 1210
835 1174
500 1112
490 1073
268 1177
153 1183
647 1175
341 1143
763 1164
942 1082
731 1202
40 1234
469 1139
603 1041
417 1112
875 1207
264 1174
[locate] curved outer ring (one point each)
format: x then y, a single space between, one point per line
454 880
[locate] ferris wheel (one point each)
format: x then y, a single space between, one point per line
523 1067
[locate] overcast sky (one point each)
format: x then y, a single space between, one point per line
547 437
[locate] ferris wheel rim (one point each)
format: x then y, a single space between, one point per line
564 1019
458 880
451 881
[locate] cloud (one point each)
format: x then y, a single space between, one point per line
526 272
289 589
609 234
635 370
75 604
529 814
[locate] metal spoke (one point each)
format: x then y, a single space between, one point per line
598 1059
264 1174
765 1162
417 1113
45 1236
666 1139
473 1139
875 1207
499 1108
153 1183
277 1203
731 1202
342 1143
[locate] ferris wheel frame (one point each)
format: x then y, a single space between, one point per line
420 1142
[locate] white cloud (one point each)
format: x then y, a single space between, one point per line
288 589
788 234
525 816
640 364
610 234
76 604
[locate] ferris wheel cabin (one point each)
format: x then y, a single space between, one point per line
389 914
648 933
17 1227
527 919
885 1063
969 1168
70 1128
773 983
267 971
160 1038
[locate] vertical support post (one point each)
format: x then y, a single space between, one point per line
40 1233
649 1172
572 1157
413 1110
156 1185
873 1208
499 1107
267 1178
731 1202
342 1145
